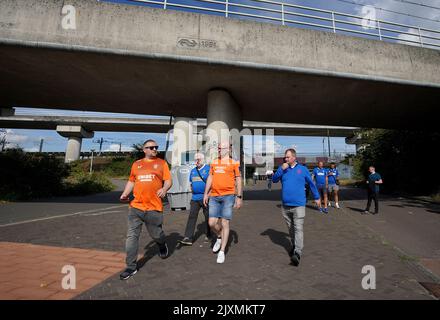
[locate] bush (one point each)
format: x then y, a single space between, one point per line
25 176
402 157
119 167
85 183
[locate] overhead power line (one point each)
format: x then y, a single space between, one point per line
388 10
418 4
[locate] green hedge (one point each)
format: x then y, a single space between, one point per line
26 176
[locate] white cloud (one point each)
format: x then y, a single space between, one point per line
13 138
389 11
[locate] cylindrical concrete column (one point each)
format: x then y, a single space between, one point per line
224 123
184 139
73 149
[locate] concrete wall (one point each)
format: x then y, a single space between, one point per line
157 31
131 59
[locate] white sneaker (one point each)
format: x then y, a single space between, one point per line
217 245
221 257
329 204
337 205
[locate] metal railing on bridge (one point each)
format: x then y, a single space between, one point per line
295 15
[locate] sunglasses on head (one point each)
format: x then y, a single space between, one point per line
152 147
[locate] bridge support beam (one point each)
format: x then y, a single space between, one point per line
75 134
224 123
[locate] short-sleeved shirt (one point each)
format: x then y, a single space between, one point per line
371 181
320 174
148 176
197 183
332 177
223 174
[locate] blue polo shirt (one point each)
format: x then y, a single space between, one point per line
320 175
371 179
197 184
294 180
332 177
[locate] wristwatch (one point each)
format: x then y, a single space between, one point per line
239 197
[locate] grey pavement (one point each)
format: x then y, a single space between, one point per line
257 265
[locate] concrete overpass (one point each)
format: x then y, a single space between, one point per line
92 124
123 58
129 59
76 128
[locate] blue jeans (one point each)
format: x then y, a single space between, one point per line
221 206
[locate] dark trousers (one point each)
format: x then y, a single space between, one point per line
192 219
153 221
373 195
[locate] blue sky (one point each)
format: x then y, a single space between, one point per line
422 13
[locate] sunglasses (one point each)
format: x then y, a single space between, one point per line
152 147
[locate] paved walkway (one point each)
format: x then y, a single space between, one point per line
257 265
30 271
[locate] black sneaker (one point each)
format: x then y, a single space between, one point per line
186 241
128 273
163 251
295 259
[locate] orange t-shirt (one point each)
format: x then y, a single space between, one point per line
223 176
148 176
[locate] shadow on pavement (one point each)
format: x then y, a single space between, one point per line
356 209
151 249
280 238
233 238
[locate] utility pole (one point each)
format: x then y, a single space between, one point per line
41 145
120 147
101 142
91 161
100 145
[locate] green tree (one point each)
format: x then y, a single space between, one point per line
402 157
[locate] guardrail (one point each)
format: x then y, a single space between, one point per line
293 15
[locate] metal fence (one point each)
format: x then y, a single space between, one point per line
295 15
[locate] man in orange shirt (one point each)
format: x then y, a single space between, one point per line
223 191
149 180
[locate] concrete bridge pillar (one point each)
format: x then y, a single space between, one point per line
224 123
75 134
184 139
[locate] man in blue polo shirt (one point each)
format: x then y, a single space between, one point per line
373 181
321 180
333 187
294 177
197 177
